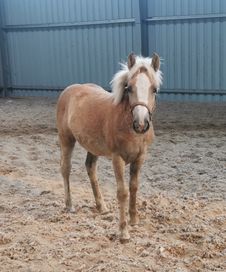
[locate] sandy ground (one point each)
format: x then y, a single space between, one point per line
182 197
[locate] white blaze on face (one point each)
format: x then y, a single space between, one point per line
142 85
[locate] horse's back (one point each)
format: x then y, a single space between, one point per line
78 90
81 91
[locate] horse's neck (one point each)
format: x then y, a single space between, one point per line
125 103
124 113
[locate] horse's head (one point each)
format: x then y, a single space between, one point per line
139 80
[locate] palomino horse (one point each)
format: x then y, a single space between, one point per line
116 125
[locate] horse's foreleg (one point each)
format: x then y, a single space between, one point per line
91 167
66 152
133 186
122 195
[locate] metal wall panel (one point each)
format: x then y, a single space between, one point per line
50 44
54 43
61 57
165 8
4 73
1 48
190 37
1 72
24 12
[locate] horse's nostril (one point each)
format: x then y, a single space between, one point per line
147 125
136 125
141 127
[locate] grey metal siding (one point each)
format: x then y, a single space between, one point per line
27 12
1 72
4 71
159 8
50 44
59 57
190 37
56 43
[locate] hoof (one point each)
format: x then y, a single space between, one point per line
102 209
124 237
134 221
124 240
70 210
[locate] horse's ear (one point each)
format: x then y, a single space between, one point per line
131 60
155 63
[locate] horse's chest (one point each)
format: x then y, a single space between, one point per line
131 147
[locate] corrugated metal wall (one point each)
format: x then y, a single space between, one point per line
1 72
1 60
190 37
53 43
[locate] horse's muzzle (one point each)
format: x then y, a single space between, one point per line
141 127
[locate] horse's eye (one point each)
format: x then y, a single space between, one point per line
128 89
155 90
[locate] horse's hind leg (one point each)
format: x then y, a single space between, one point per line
91 167
67 146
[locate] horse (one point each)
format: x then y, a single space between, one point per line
117 125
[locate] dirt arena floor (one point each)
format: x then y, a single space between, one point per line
182 197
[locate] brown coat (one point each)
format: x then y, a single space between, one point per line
101 127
